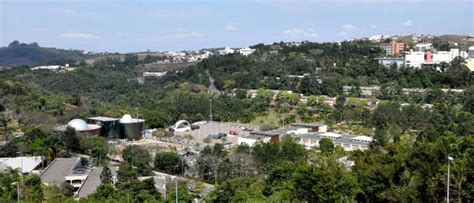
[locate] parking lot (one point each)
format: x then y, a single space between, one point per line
213 128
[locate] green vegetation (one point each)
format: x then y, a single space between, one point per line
20 54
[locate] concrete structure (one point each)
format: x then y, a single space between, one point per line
26 164
80 126
246 51
389 61
393 47
348 142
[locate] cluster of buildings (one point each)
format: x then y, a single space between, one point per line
244 51
422 55
111 128
309 135
371 91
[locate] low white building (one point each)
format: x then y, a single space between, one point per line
246 51
415 59
226 50
154 74
52 67
252 140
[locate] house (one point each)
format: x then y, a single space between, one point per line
226 50
246 51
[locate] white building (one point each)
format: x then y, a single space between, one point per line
52 67
252 140
154 74
246 51
423 47
226 50
415 59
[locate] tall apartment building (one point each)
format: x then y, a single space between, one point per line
393 47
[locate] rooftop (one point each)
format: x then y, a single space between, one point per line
58 170
92 182
25 163
103 118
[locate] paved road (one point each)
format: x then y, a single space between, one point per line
212 84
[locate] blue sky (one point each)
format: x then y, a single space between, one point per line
127 26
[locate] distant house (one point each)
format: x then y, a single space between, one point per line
51 67
246 51
252 140
154 74
226 50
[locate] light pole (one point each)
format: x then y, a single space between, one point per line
176 186
17 191
447 185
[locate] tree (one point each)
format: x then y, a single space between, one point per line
32 190
103 192
139 157
126 173
106 176
70 139
326 146
169 162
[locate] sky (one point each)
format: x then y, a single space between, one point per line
140 25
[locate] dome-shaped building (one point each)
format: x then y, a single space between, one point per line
77 124
81 126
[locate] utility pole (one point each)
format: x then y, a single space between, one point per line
210 110
447 185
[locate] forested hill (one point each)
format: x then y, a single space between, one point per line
19 54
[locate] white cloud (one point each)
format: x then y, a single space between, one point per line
187 35
231 28
407 23
301 33
78 35
349 27
372 26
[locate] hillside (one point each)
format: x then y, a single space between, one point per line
19 54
